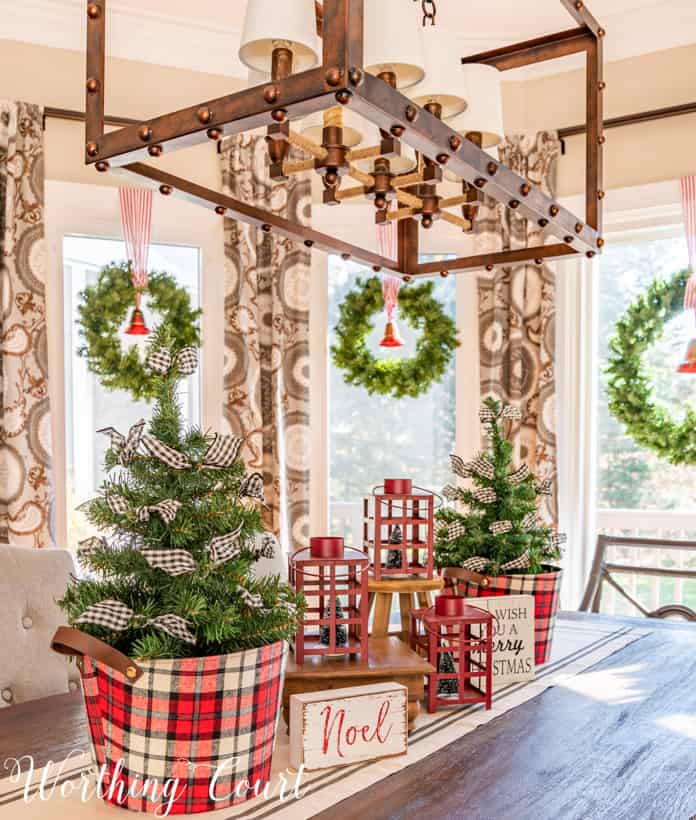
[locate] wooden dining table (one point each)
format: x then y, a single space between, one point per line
623 748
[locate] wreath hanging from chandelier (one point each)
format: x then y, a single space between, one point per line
102 312
631 399
394 377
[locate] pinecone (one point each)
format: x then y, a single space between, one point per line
341 631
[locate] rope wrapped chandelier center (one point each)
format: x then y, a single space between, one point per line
370 91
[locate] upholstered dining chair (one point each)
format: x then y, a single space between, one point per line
31 582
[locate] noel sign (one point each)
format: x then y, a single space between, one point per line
513 637
343 726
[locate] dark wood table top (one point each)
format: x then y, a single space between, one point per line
622 749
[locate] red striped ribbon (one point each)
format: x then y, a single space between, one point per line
387 240
688 193
136 219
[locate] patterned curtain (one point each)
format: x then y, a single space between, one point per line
26 495
517 311
266 376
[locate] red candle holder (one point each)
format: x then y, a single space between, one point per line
333 579
399 529
464 633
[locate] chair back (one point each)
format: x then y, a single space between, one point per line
31 583
603 572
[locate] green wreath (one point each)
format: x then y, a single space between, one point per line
103 309
395 377
629 389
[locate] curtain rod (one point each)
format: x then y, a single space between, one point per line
563 133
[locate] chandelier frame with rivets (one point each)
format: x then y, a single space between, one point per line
341 78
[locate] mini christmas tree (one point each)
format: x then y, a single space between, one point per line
500 530
341 631
395 557
449 686
174 576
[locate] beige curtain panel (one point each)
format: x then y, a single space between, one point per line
266 375
26 494
517 314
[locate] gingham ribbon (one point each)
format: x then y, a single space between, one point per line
510 413
450 492
224 548
530 521
544 487
126 447
519 475
117 504
486 415
166 454
223 452
557 540
89 545
478 564
459 467
267 546
166 509
161 361
117 617
173 561
485 495
252 487
109 614
475 564
455 530
252 600
482 467
173 625
500 527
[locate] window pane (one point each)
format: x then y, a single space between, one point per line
631 477
373 437
88 405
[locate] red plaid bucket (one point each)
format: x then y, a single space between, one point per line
544 586
191 735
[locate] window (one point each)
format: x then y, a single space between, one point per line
376 437
88 405
638 493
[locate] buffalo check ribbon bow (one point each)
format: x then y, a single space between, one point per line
507 413
161 361
167 509
126 447
222 452
479 564
252 487
166 454
117 617
175 562
455 530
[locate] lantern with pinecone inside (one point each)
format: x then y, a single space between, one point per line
341 631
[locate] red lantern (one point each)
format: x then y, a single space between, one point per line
400 529
458 636
333 579
392 337
689 363
137 324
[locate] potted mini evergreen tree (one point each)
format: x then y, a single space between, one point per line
491 541
179 639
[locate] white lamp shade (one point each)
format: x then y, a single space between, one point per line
485 104
444 81
353 127
255 78
394 41
270 23
404 164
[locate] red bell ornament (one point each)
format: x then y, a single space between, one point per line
137 324
392 337
333 579
689 363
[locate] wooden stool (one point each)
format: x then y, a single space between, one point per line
414 593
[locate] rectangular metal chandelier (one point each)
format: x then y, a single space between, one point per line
342 79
